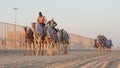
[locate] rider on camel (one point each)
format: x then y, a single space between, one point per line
52 24
41 24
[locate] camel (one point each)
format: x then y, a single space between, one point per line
51 43
98 47
29 40
64 40
39 41
101 47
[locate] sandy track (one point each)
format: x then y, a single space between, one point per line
75 59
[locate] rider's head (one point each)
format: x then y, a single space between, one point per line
52 19
33 24
40 13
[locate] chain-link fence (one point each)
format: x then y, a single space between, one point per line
11 36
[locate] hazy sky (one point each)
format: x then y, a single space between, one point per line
83 17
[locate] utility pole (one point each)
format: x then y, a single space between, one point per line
15 9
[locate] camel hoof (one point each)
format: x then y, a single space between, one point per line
30 54
42 53
25 54
34 53
64 53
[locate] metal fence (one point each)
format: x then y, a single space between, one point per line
11 36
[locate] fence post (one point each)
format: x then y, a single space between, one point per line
6 30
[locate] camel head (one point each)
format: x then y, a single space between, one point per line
33 25
25 28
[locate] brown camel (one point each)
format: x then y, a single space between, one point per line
101 47
64 40
29 41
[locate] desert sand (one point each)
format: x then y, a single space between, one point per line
74 59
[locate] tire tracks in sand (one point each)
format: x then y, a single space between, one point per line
105 61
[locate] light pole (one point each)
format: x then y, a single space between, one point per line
15 9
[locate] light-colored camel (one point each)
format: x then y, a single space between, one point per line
39 42
51 45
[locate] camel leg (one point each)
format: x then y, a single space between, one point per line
30 49
37 49
34 49
61 47
48 48
44 45
57 47
65 49
42 49
101 48
98 49
104 48
25 48
50 51
45 48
